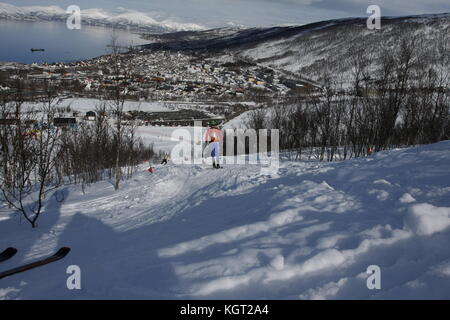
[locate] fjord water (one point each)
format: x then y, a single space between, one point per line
60 43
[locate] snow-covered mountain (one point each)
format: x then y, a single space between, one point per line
309 232
120 17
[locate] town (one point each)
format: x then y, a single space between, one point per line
158 75
146 75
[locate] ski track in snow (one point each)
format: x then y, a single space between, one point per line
190 231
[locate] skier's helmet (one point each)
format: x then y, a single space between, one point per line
213 123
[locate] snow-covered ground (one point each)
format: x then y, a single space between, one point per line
165 138
189 231
90 104
240 122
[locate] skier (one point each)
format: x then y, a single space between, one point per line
215 152
165 159
369 150
214 136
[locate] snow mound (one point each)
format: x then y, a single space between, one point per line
426 219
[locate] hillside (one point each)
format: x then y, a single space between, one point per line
310 50
309 232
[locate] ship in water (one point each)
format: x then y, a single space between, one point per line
34 49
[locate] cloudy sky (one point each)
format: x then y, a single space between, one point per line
256 12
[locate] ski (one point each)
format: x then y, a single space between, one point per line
8 253
57 256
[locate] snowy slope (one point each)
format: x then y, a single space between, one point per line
309 232
306 52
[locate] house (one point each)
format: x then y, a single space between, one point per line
8 122
91 115
64 122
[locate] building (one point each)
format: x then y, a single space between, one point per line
8 122
64 122
91 115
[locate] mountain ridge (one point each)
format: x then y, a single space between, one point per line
119 18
